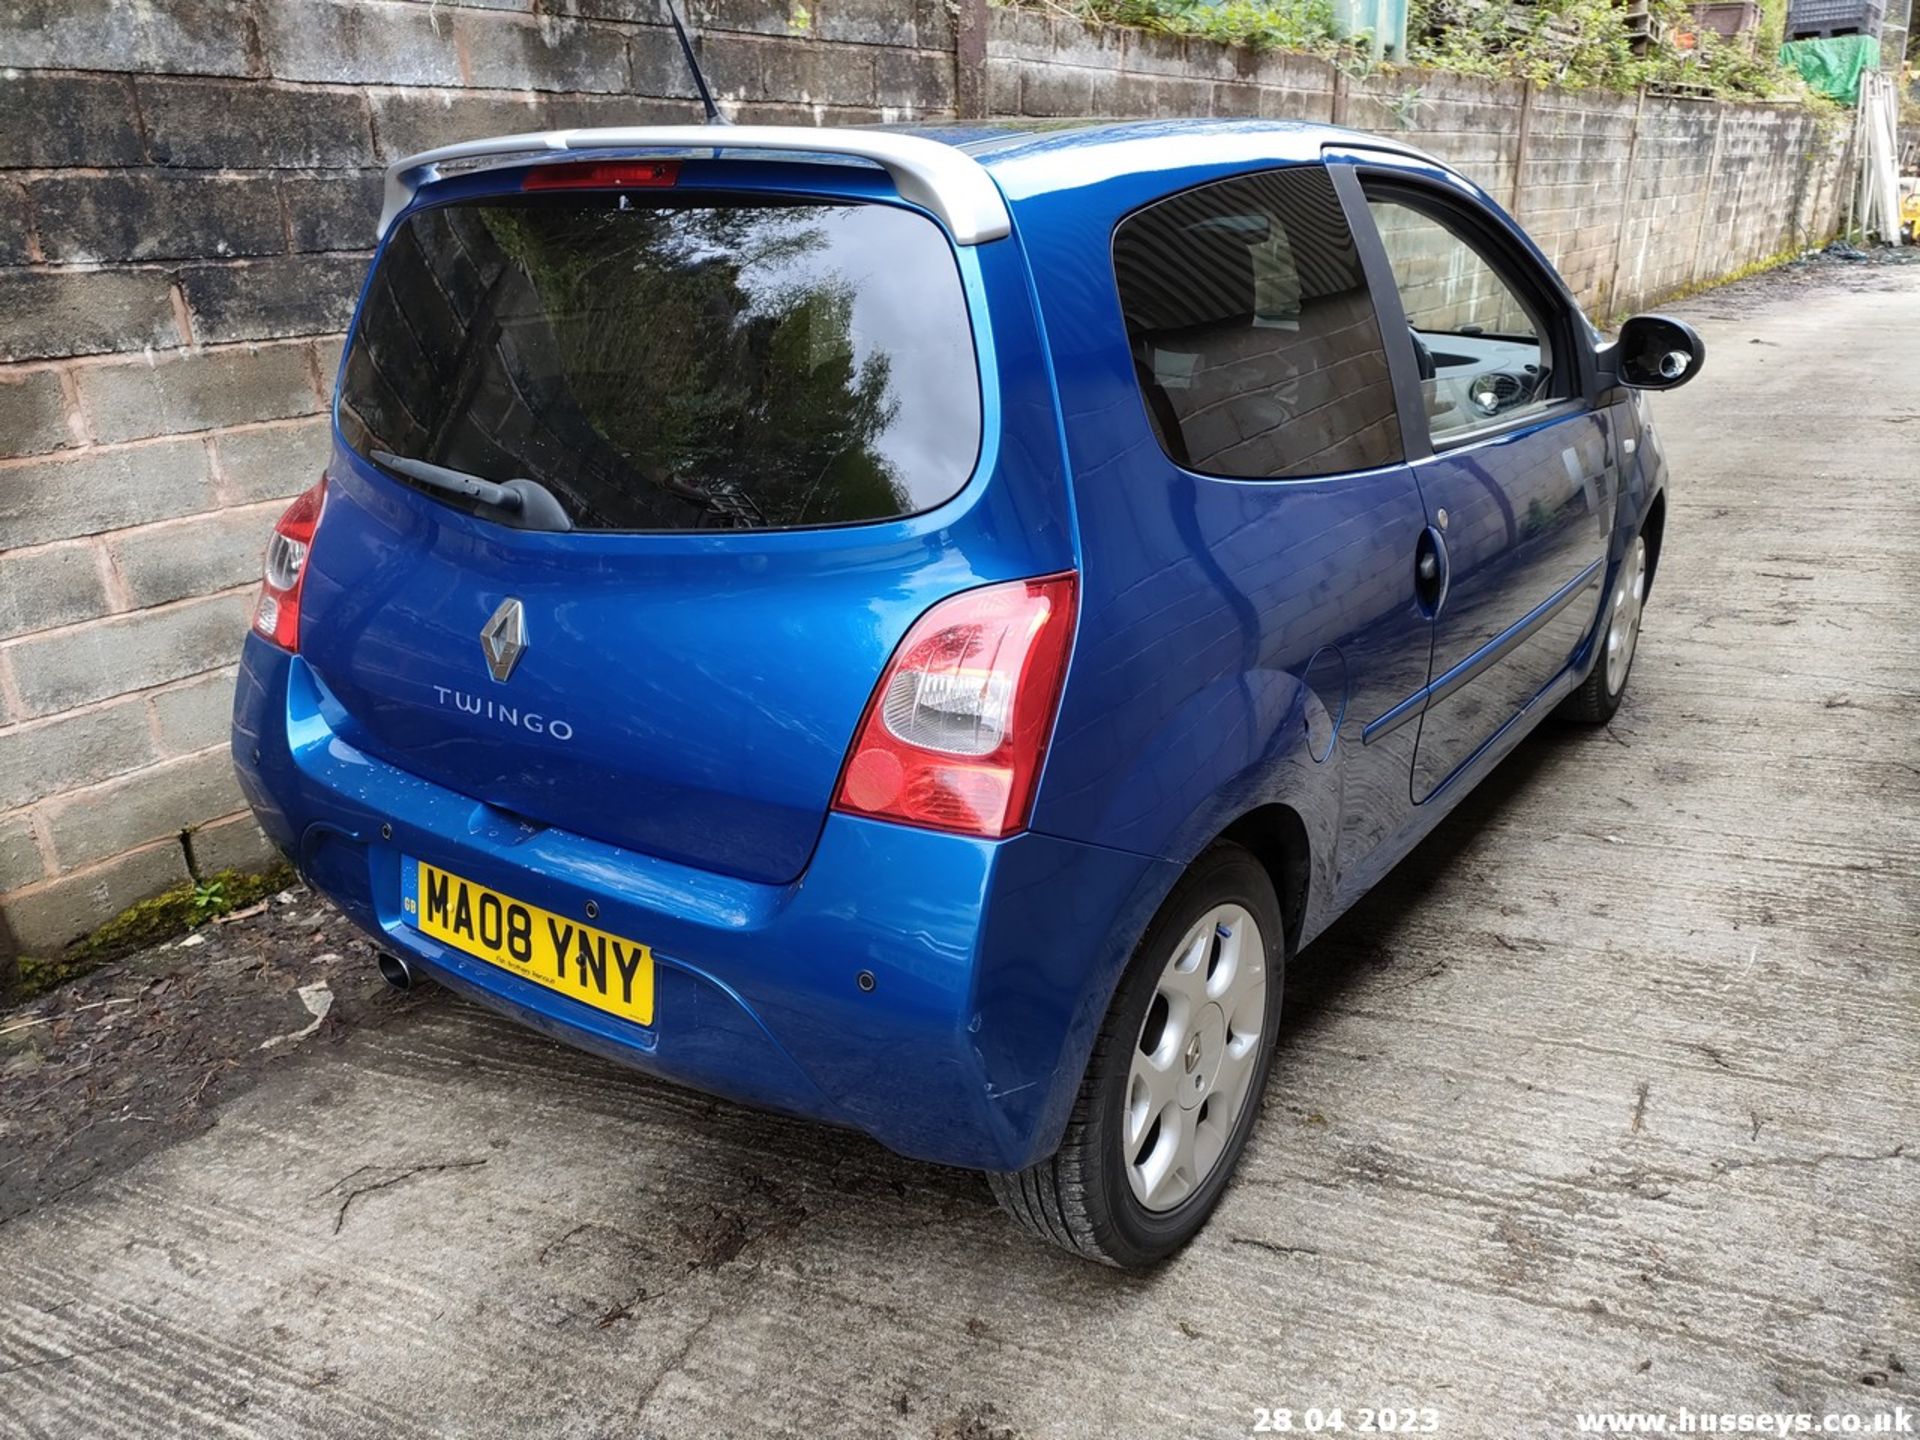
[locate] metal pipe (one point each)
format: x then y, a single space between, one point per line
396 971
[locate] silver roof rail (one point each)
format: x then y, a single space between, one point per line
945 180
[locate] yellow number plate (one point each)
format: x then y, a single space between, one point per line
591 966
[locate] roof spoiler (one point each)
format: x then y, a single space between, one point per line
944 180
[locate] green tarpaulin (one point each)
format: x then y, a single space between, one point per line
1832 66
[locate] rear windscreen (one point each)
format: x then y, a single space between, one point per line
673 364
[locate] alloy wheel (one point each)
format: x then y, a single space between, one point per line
1194 1060
1623 625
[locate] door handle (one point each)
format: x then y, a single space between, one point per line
1431 571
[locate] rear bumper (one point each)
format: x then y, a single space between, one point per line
992 961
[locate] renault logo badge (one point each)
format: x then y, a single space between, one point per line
504 638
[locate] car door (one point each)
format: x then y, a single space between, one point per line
1517 470
1247 520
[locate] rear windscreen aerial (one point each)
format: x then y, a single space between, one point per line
673 363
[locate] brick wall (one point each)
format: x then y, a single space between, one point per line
187 193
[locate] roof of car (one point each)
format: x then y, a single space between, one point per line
991 140
1028 157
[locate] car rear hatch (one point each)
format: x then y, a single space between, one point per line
751 390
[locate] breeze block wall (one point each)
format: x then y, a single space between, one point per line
187 196
1632 197
188 190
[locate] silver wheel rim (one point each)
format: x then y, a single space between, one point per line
1623 626
1195 1057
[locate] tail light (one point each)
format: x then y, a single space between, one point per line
958 725
602 175
277 615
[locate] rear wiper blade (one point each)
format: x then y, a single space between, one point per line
527 503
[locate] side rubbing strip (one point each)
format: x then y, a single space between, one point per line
1488 655
1396 717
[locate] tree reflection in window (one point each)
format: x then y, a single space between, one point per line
674 366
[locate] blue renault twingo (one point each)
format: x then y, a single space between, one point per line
914 628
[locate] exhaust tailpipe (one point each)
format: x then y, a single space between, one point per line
397 972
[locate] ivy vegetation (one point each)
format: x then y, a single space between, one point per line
1581 44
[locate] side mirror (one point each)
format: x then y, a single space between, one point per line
1656 352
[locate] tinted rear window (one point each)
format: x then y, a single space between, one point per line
672 364
1253 332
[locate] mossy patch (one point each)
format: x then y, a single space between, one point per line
1700 287
169 914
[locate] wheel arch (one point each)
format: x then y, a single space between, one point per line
1278 839
1654 527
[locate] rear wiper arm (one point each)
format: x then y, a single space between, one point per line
528 503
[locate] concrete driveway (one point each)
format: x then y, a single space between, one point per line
1610 1097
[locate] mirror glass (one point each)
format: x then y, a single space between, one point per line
1656 352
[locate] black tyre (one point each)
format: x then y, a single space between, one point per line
1176 1076
1595 702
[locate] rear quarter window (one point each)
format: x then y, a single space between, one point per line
661 363
1252 329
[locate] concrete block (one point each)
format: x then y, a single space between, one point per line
631 12
273 298
72 750
1213 60
192 557
869 22
507 52
151 804
20 862
128 653
586 111
332 212
52 120
1136 96
195 714
184 391
732 64
407 122
235 844
1098 47
60 498
272 464
33 415
1003 86
16 224
208 124
326 363
151 216
1056 90
769 112
1231 97
1283 104
1019 34
45 314
919 80
1155 52
55 585
657 67
817 74
346 42
50 917
761 17
933 25
168 37
1174 96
